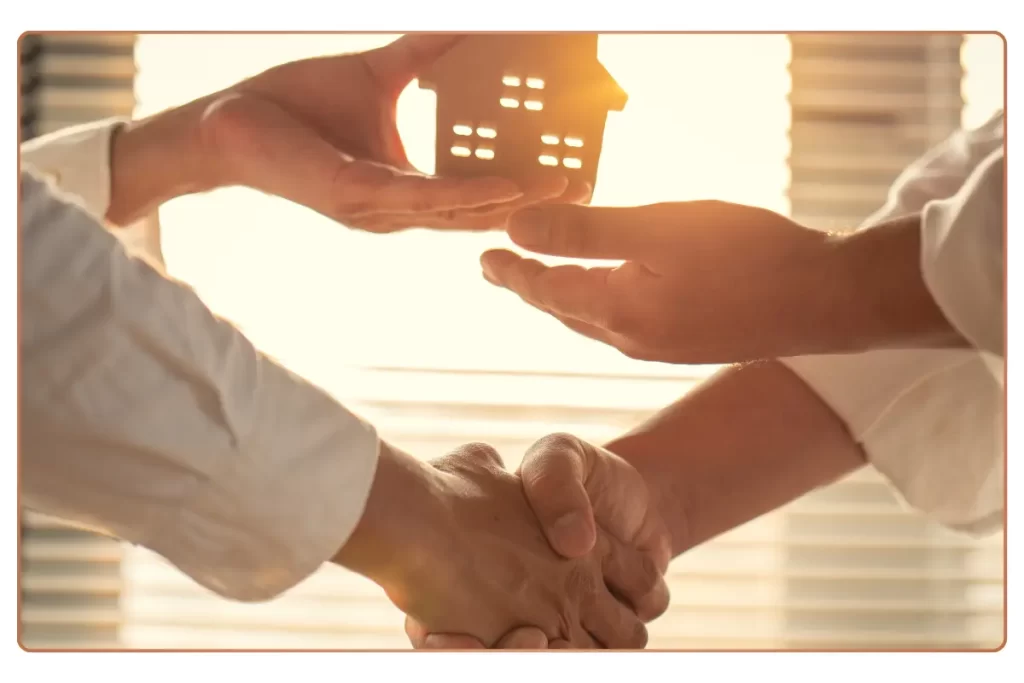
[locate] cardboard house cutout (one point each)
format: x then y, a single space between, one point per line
510 104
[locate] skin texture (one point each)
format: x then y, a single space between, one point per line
333 149
711 282
455 545
751 439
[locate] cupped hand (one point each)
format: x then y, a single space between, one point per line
322 132
502 574
701 282
581 492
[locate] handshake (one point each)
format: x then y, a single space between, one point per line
567 553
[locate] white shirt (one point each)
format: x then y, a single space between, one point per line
932 422
145 416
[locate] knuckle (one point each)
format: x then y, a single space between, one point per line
648 575
559 441
546 461
480 452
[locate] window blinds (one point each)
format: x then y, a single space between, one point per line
70 579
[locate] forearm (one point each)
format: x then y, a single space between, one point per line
747 441
144 415
154 160
878 298
403 525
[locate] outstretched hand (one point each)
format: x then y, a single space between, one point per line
701 282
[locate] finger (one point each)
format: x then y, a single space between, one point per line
490 216
364 188
537 191
582 640
416 633
422 640
571 291
526 638
443 641
398 62
559 644
612 624
554 473
597 232
634 576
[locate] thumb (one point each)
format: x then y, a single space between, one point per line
554 474
399 61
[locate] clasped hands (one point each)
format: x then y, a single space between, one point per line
569 552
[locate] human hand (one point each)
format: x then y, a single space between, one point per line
702 282
579 491
477 563
322 132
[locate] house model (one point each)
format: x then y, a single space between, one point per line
510 104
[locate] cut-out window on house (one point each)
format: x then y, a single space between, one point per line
535 83
509 102
548 160
549 139
534 105
460 151
572 162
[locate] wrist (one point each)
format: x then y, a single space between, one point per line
401 536
643 450
155 160
881 299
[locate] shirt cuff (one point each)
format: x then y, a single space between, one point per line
278 514
930 422
77 160
962 258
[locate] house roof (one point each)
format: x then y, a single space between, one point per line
547 53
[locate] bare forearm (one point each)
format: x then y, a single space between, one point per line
404 520
155 160
878 297
747 441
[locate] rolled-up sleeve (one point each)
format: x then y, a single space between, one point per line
932 421
144 415
77 160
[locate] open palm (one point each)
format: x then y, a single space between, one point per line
322 132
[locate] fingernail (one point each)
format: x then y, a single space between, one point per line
530 227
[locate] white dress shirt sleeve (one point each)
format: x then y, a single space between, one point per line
932 421
71 157
143 415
